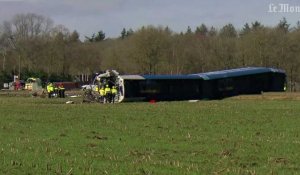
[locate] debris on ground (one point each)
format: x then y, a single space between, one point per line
70 102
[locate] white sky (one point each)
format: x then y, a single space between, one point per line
111 16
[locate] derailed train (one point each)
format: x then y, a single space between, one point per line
210 85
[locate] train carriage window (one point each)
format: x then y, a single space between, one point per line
221 85
149 87
229 84
225 84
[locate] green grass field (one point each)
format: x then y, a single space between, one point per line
231 136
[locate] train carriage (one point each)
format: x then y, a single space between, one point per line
210 85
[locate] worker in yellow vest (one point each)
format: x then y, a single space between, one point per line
50 89
107 91
102 94
114 92
55 92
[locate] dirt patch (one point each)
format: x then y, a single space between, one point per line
270 96
41 93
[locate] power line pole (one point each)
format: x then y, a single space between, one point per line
13 45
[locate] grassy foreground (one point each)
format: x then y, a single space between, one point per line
232 136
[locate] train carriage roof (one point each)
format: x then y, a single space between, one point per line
159 77
237 72
208 75
168 77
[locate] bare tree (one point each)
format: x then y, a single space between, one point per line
151 44
30 25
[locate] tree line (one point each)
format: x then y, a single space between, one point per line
31 45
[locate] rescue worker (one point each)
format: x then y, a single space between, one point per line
56 92
102 94
107 91
61 91
18 85
96 89
113 93
50 89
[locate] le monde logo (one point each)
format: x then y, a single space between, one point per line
283 8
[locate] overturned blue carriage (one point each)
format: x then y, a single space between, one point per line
210 85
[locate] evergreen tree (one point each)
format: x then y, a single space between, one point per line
256 26
298 25
129 32
212 32
100 36
188 30
228 31
283 25
246 29
202 30
123 33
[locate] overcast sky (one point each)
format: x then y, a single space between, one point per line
111 16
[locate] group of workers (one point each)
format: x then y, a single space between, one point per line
55 90
107 94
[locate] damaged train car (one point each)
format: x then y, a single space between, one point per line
210 85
